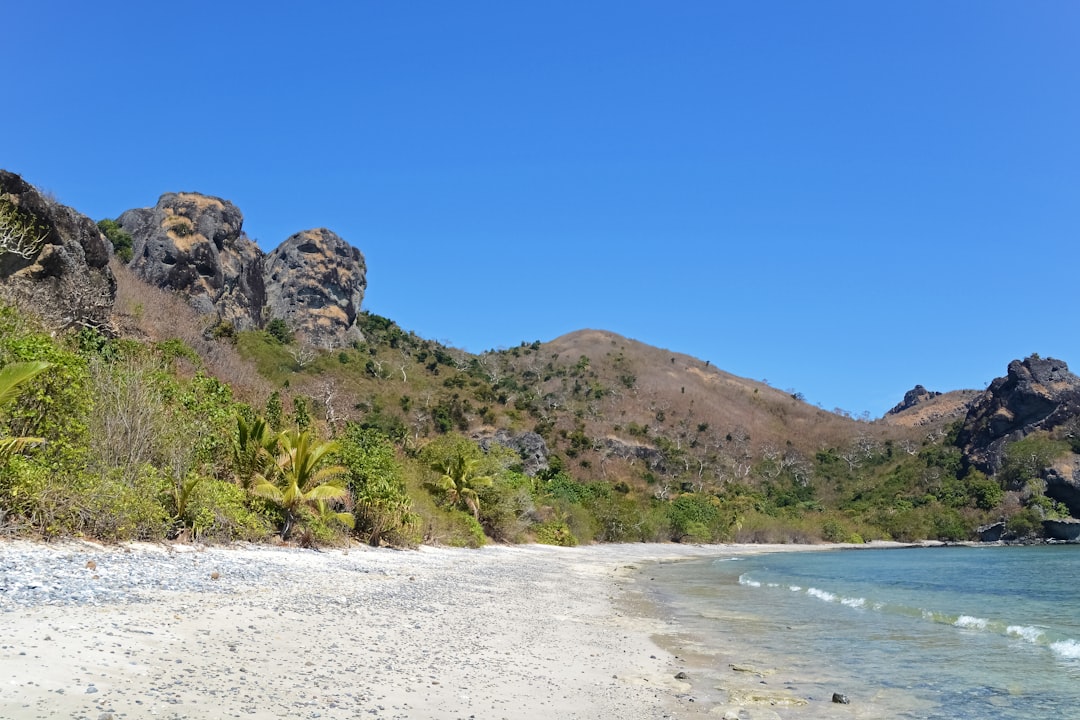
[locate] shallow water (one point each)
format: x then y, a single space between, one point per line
988 632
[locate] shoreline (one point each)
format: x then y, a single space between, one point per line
263 632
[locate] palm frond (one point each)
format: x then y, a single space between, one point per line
14 374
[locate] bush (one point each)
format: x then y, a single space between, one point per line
506 507
1024 524
695 518
217 510
382 505
121 241
1027 458
555 533
280 331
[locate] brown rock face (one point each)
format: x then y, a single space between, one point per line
62 273
194 244
315 281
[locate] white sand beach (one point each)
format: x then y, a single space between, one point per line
261 632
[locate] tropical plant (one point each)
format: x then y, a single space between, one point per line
459 481
383 506
253 450
11 377
300 479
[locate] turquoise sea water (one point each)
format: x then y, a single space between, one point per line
954 632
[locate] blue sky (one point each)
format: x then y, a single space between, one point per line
843 198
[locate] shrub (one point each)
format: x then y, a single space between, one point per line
555 533
218 511
382 505
695 518
121 241
280 331
506 507
1027 458
1024 524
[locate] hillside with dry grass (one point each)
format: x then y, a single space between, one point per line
156 421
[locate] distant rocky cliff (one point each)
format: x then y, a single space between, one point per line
53 260
194 244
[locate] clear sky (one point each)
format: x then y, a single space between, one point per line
843 198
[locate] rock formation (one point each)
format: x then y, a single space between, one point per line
315 281
915 396
528 445
195 245
60 270
1037 394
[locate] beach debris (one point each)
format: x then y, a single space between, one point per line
91 565
681 676
840 698
215 575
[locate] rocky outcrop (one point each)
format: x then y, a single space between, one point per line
195 245
1037 394
915 396
1067 530
529 446
60 270
653 458
315 281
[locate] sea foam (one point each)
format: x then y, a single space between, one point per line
1025 632
820 594
973 623
744 580
1067 649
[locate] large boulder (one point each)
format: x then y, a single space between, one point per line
53 260
315 281
195 245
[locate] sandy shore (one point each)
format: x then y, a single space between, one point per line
503 632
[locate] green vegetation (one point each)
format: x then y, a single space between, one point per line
300 481
11 377
121 241
382 441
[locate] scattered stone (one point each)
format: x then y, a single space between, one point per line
91 690
91 565
840 698
682 676
215 575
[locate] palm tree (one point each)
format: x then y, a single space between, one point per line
298 478
253 449
11 377
459 482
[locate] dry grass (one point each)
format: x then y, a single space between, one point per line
146 312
